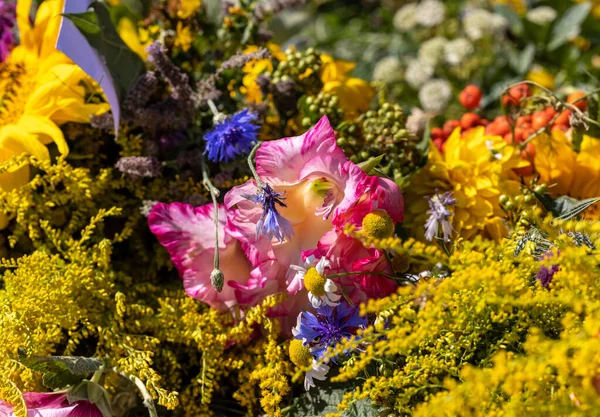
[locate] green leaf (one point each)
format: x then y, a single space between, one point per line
514 21
140 8
325 400
94 393
521 62
592 102
60 371
569 25
370 164
124 65
565 207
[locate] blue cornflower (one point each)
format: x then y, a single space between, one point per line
271 223
439 215
328 326
232 137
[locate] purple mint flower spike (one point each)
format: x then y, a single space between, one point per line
231 138
545 275
7 22
272 223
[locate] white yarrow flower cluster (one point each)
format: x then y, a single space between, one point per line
434 95
542 15
431 51
479 23
405 18
387 69
430 13
457 50
417 73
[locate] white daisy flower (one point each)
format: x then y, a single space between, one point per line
317 372
321 290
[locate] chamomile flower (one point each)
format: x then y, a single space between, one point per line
301 356
321 290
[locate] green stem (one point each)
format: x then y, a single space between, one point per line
259 183
343 274
148 400
213 194
97 375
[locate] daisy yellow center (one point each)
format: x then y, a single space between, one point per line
315 282
300 354
378 224
15 87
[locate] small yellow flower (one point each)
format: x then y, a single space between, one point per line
128 31
354 94
378 224
254 68
184 37
186 8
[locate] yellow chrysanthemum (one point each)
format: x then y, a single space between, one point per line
476 169
565 171
354 94
40 88
254 68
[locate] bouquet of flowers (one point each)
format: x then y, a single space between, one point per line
200 217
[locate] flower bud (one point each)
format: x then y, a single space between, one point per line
217 278
378 224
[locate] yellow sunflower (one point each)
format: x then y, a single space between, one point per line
354 94
477 169
40 88
566 172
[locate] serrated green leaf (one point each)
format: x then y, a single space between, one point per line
568 25
370 164
318 403
60 371
124 65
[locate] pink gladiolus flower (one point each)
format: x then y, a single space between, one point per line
47 404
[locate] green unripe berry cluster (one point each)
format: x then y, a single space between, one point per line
320 105
304 68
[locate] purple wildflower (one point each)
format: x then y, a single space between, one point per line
272 223
328 326
545 274
439 215
7 22
233 137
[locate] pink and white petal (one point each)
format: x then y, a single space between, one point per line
264 280
280 161
188 235
374 286
388 196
